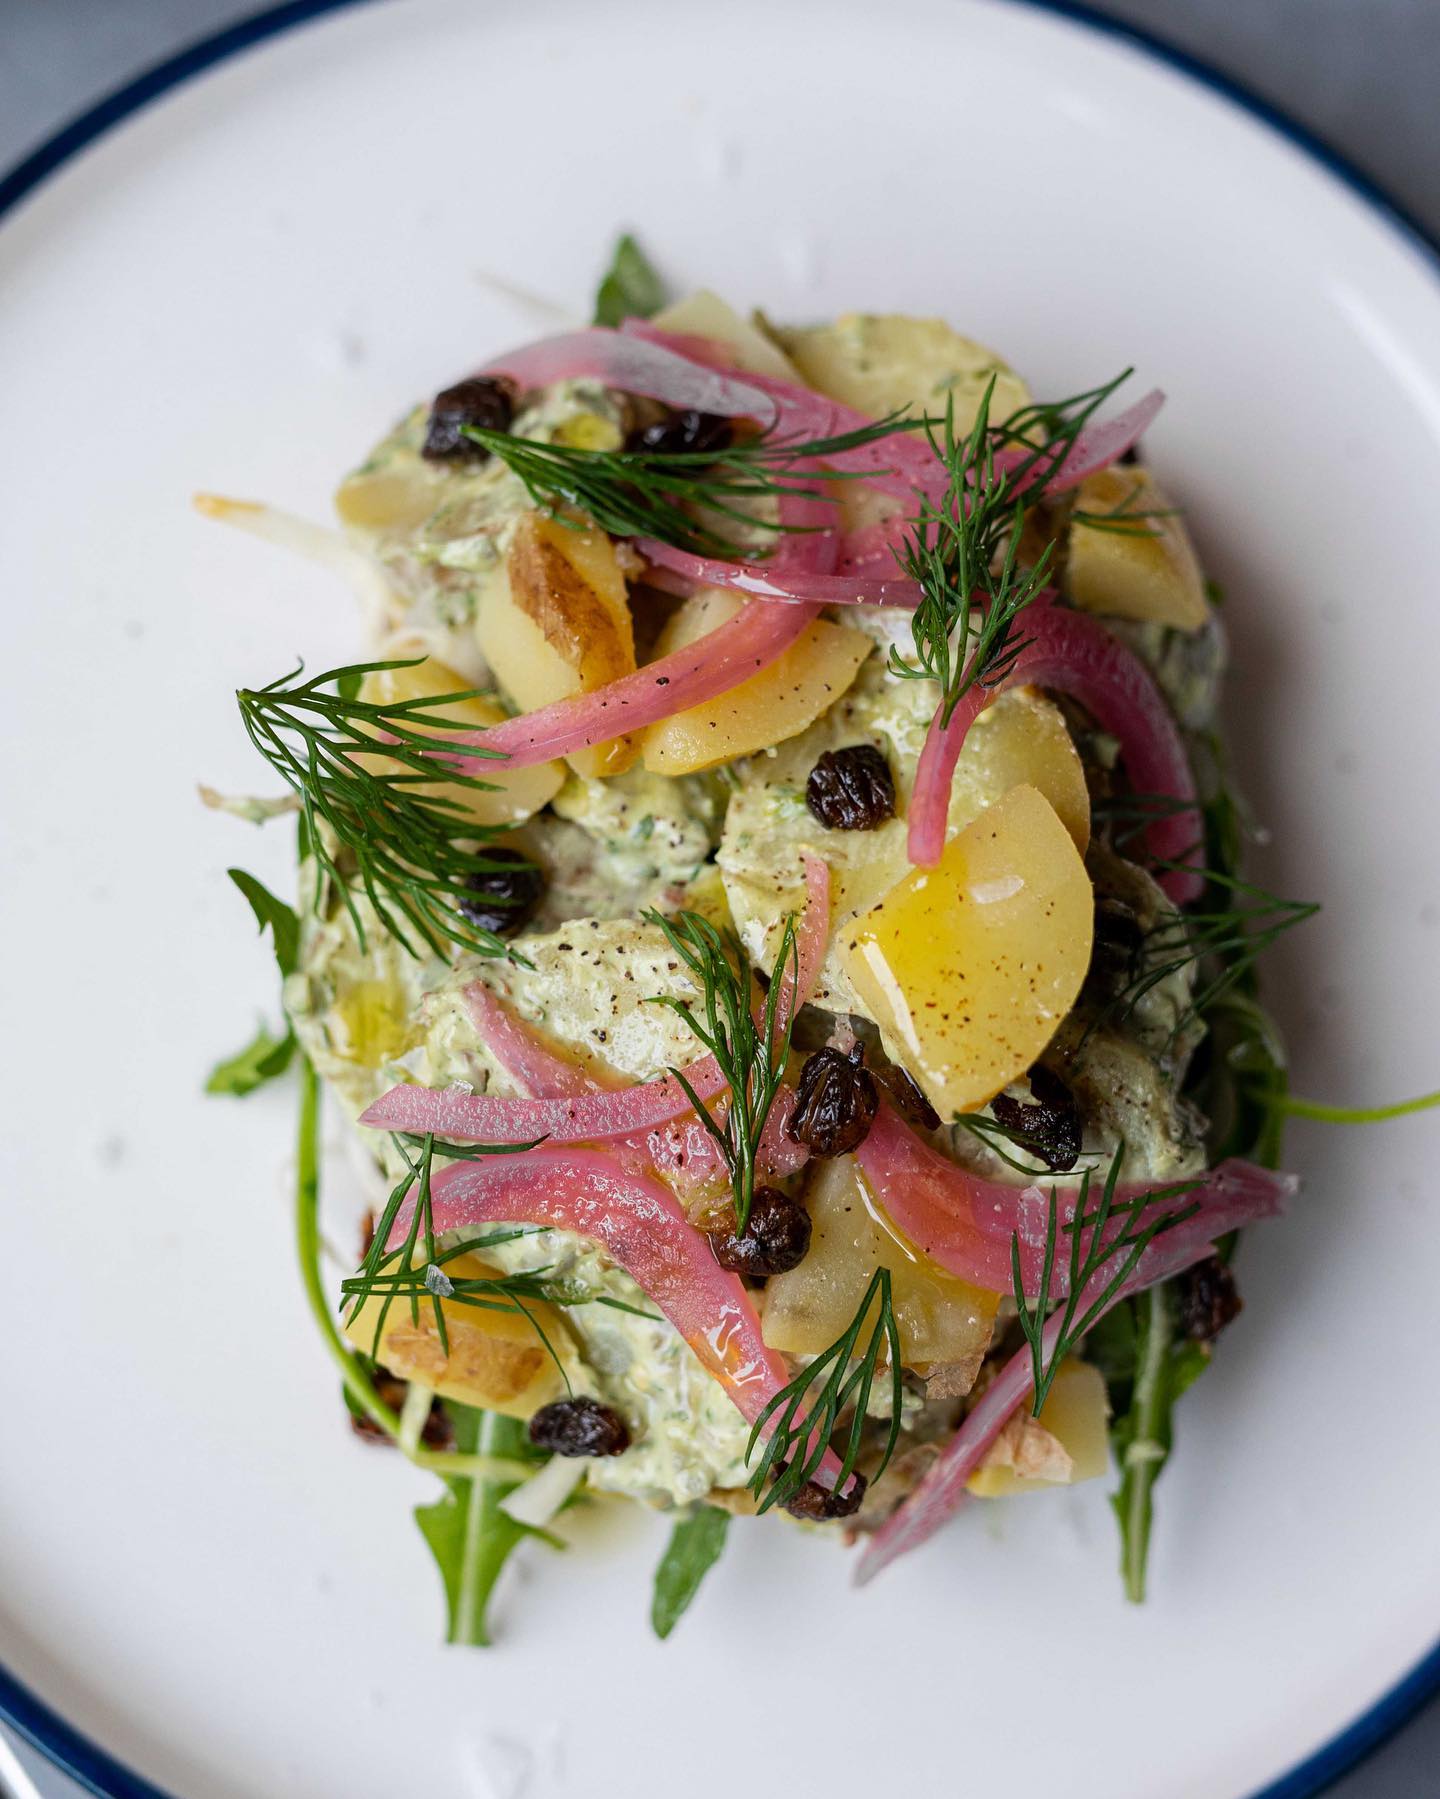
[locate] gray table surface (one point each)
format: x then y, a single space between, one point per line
1361 73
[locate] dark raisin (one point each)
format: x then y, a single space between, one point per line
851 789
683 432
484 401
1051 1127
1117 945
1209 1300
579 1427
815 1501
835 1103
907 1099
506 897
775 1238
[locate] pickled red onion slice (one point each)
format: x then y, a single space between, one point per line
941 1492
967 1224
593 1117
1071 653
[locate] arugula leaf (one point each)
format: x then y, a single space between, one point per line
630 287
266 1056
468 1534
694 1548
261 1060
274 915
1239 1080
1162 1366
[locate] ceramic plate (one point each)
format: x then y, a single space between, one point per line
237 289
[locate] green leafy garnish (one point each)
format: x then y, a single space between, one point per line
811 1405
1239 1080
410 851
965 552
630 287
680 497
751 1055
273 915
265 1056
1147 1367
1093 1248
468 1534
694 1547
394 1273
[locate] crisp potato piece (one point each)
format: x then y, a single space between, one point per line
1068 1442
941 1320
771 706
881 362
703 314
496 1359
1148 571
969 967
556 622
514 794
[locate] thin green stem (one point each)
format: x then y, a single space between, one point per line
1145 1453
1294 1107
307 1242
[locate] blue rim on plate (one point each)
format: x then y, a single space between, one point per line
43 1728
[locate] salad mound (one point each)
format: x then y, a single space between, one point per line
769 908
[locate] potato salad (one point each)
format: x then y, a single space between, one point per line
768 916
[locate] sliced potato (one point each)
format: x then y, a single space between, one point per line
880 362
703 314
556 622
941 1320
1022 738
1144 569
397 497
774 704
969 967
1068 1442
512 794
495 1359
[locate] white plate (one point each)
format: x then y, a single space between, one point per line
238 289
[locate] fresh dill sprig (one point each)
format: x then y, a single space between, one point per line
965 552
412 850
812 1404
1224 942
379 1265
667 494
1090 1251
751 1052
417 1280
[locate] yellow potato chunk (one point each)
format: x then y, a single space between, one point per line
556 622
885 362
511 794
703 314
942 1321
881 362
1146 569
968 967
1068 1442
371 1023
397 497
496 1359
777 703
